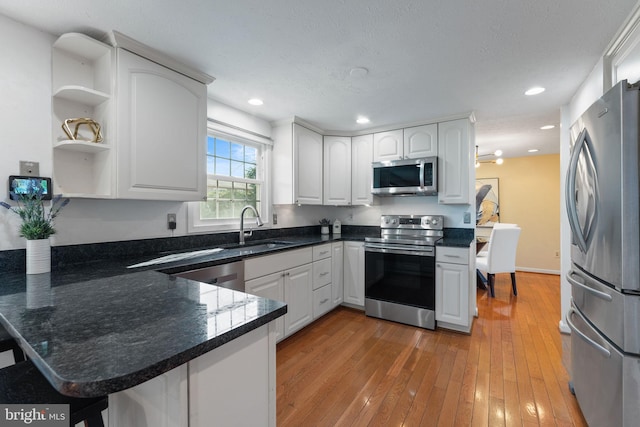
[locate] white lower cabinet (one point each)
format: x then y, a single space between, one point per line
337 274
354 273
212 389
455 296
270 286
297 295
289 275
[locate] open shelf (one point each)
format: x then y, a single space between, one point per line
80 44
80 146
82 95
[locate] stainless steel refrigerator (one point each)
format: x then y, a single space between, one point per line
602 197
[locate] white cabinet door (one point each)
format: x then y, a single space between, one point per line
361 174
421 141
307 167
337 170
161 134
298 296
455 153
388 146
452 293
354 273
272 287
162 401
337 271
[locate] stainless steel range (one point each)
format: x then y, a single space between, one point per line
400 269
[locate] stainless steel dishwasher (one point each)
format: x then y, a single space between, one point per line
230 276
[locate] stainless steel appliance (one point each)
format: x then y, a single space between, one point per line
230 276
417 177
400 277
602 198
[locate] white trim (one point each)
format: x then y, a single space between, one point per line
538 270
564 327
236 132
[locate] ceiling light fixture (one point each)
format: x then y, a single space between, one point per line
255 101
496 153
534 91
362 120
533 150
547 127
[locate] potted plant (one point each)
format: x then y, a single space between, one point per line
37 226
324 226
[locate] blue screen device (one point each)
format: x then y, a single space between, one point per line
29 185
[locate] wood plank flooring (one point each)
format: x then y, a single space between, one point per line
347 369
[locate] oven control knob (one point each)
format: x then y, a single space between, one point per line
434 221
394 221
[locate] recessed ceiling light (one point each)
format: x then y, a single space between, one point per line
498 153
499 161
535 90
533 150
255 101
362 120
547 127
358 72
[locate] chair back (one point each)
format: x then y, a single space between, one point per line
504 225
501 257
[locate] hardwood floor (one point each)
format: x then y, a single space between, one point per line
348 369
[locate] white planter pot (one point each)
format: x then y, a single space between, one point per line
324 229
38 256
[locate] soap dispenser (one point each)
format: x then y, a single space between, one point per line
337 227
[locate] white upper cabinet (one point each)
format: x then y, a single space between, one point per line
421 141
152 119
388 146
161 131
455 179
337 170
361 174
297 165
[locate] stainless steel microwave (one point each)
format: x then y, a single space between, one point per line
417 177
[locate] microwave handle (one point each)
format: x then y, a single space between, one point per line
422 175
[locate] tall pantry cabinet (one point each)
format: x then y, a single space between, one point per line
152 117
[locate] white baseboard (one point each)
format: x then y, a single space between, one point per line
538 270
564 328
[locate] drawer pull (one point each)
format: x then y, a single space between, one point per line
324 301
324 252
324 274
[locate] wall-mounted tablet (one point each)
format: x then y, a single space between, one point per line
25 185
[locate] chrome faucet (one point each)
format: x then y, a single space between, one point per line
259 223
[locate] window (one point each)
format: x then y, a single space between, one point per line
236 170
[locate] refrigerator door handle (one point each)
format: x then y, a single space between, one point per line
570 191
595 292
606 353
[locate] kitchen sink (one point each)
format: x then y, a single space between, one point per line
261 246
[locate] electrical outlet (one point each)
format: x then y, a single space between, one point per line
275 218
171 221
467 217
557 254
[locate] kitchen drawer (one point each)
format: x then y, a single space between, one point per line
321 273
322 301
452 255
322 251
261 266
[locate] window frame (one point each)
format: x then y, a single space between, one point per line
263 164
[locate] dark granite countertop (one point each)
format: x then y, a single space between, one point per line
95 337
462 242
99 327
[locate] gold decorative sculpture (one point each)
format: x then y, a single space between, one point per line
93 125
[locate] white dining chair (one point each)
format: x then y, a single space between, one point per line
501 256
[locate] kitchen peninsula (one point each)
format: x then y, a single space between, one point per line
165 349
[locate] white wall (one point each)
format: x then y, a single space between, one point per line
25 120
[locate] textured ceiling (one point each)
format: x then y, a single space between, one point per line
426 59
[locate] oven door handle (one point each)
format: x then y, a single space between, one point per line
426 251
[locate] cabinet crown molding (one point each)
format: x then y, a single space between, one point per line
119 40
